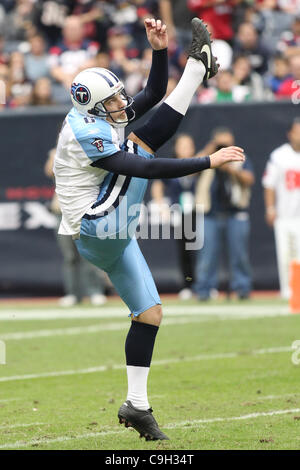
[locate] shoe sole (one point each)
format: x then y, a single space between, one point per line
198 24
134 425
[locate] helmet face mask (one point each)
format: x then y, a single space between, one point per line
100 109
90 90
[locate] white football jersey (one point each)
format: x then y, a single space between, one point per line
282 174
82 141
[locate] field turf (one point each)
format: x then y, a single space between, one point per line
222 376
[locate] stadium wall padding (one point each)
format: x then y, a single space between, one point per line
30 261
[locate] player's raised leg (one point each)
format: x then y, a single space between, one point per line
201 65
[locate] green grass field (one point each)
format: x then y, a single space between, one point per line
222 377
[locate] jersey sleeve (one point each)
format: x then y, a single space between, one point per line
96 137
97 146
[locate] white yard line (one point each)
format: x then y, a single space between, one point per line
181 424
189 317
4 400
20 425
276 397
109 367
115 326
243 311
98 328
233 418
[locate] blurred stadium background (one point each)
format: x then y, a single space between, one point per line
43 44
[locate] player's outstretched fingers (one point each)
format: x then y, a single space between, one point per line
236 153
148 22
226 155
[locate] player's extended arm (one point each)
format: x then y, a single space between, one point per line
124 163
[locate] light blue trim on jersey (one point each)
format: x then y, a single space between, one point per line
129 272
89 129
120 255
104 185
119 223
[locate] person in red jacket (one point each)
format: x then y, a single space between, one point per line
289 88
216 12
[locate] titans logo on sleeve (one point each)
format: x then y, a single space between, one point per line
80 93
98 144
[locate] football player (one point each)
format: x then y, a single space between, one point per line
101 181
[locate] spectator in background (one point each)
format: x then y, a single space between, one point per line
289 6
289 43
19 24
4 86
226 89
248 83
290 86
164 9
177 16
271 22
37 60
72 54
102 59
281 182
90 12
215 12
225 196
137 29
4 57
49 18
136 80
42 93
247 42
80 277
123 53
20 87
2 17
279 72
180 191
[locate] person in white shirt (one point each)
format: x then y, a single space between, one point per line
281 182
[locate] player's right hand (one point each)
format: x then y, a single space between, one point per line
156 33
226 155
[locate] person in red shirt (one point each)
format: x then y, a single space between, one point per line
216 12
290 87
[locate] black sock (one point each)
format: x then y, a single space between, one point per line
160 127
140 343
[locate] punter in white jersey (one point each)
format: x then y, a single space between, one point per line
281 181
97 180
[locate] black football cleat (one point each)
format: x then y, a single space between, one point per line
141 420
200 48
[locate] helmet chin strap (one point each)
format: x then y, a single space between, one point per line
104 114
116 123
120 124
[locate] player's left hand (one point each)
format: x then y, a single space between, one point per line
156 33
